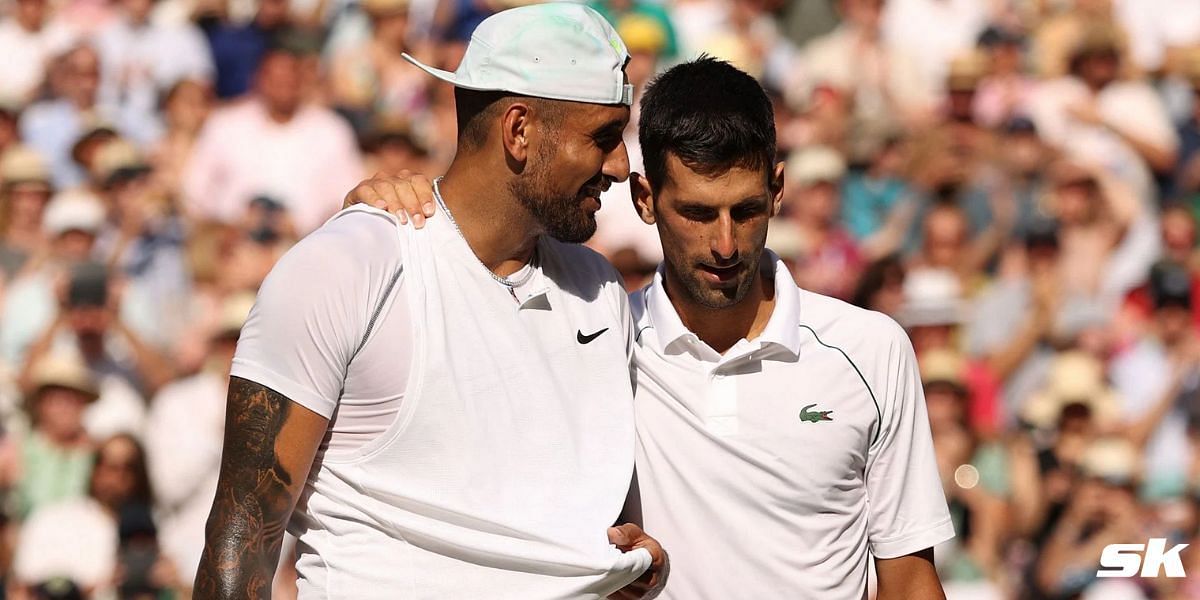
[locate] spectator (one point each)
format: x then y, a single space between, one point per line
973 476
272 145
1155 375
391 146
372 78
872 193
143 242
1158 29
1097 216
1006 90
828 261
933 32
53 126
79 538
54 459
183 437
71 222
237 49
29 39
25 190
1094 115
185 109
140 60
883 82
881 287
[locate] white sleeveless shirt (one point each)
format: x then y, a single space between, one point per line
510 451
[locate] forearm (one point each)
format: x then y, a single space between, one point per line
154 370
1161 160
269 446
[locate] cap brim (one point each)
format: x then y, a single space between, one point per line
446 76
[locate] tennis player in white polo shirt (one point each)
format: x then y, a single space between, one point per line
450 410
783 442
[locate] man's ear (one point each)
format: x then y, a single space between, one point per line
643 197
515 128
777 189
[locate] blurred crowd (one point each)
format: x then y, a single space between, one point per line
1017 182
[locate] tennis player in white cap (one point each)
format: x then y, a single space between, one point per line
447 413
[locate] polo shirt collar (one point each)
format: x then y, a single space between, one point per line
782 330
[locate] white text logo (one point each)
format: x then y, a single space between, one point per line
1122 560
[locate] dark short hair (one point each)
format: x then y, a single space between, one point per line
476 110
711 116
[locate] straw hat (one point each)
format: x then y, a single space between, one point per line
1075 378
64 371
22 164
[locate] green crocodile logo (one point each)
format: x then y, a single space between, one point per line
815 416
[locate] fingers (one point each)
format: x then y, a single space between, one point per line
423 188
625 536
365 193
407 195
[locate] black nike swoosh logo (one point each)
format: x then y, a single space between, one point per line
585 339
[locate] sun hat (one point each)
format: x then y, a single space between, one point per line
558 51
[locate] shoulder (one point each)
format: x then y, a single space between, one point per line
319 117
875 344
361 231
356 243
848 323
234 115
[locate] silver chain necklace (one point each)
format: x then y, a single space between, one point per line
504 281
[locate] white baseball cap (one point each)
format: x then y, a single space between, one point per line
557 50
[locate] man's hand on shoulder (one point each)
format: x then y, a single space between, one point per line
629 537
406 195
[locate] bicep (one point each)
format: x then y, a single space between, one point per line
270 441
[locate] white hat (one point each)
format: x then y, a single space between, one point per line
557 50
931 297
73 210
815 164
1113 459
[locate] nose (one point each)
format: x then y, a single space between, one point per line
616 163
723 246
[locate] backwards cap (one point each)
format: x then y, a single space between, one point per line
559 51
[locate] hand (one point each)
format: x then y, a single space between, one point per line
628 537
405 195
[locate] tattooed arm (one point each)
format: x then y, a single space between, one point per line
270 443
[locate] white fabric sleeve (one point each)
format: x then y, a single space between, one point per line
906 503
313 309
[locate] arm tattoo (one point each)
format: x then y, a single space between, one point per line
245 529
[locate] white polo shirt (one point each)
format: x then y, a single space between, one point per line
777 469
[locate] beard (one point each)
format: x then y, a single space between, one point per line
560 215
703 294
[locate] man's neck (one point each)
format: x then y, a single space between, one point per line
721 328
492 221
